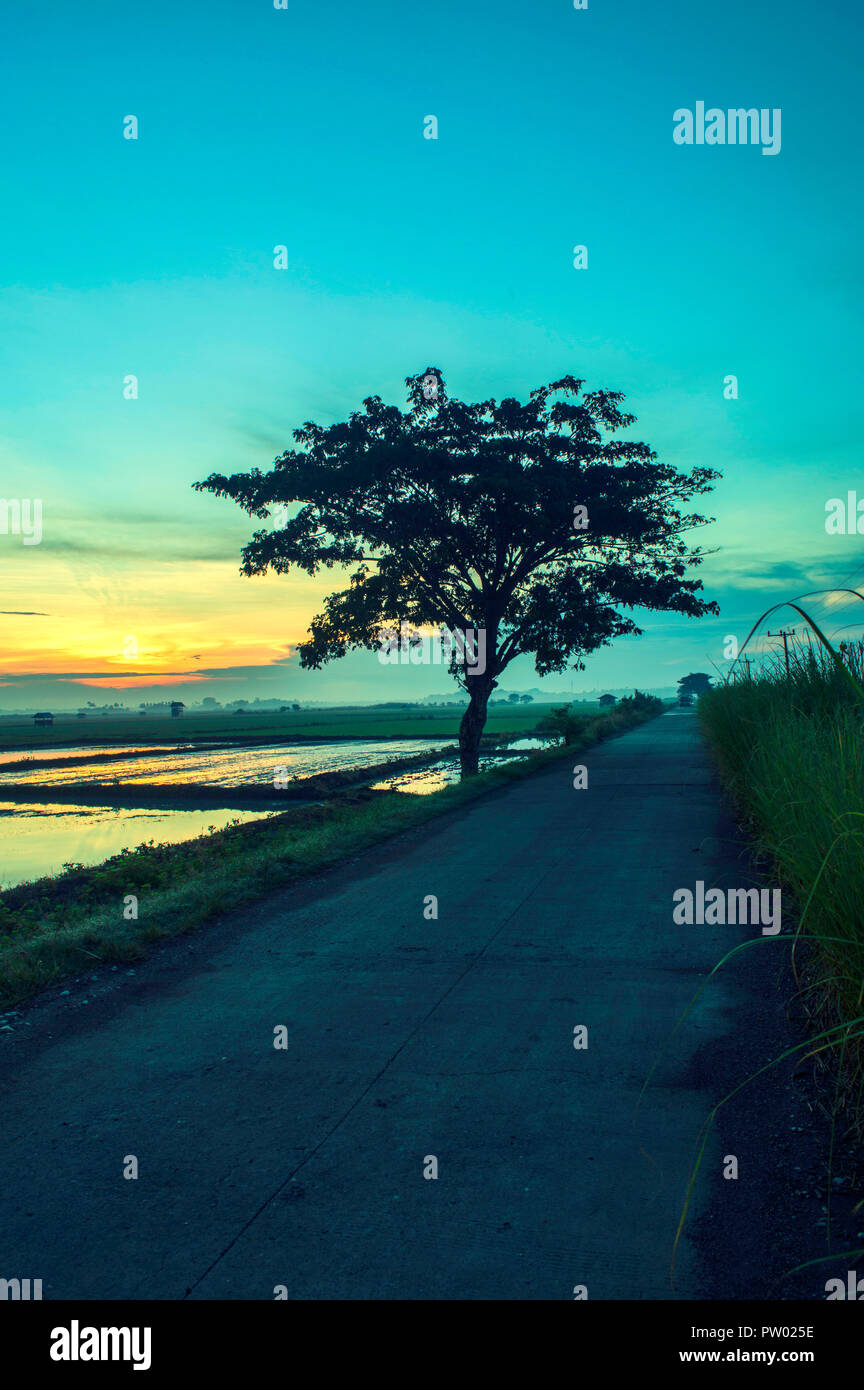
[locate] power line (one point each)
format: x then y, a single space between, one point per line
784 633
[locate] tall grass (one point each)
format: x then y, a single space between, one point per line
790 746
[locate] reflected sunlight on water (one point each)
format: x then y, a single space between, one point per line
39 840
228 767
423 780
37 755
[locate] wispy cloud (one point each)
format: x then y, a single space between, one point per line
163 547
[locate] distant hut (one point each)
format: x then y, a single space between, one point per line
177 708
44 717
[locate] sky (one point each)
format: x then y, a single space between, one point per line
303 127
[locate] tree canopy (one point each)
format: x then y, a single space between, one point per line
695 684
529 521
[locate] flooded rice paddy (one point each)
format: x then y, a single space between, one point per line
39 838
212 767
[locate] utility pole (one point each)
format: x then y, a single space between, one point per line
784 634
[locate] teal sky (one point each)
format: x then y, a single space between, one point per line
304 127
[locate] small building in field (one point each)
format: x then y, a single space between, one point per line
177 708
44 717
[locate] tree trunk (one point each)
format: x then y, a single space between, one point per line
473 723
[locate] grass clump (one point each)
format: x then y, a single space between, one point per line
790 747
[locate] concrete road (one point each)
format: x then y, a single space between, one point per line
410 1039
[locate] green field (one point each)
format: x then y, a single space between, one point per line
312 725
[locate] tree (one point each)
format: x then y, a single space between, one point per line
513 699
694 684
562 724
640 703
527 699
527 522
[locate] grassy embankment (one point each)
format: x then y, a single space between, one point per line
791 750
57 926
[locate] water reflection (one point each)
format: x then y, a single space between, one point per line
421 781
38 755
225 767
39 840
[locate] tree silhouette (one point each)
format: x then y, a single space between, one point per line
694 684
562 724
530 522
